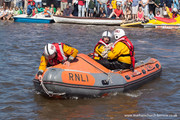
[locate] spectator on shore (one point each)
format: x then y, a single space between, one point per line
4 14
157 5
19 3
176 4
168 4
128 4
40 9
75 6
165 14
67 11
59 12
1 11
152 6
114 4
151 15
34 12
168 10
81 8
103 4
97 4
123 5
52 9
109 8
30 8
117 13
127 14
161 6
16 11
69 3
135 5
38 3
87 7
21 11
10 13
102 12
145 7
63 4
140 14
91 8
46 12
158 14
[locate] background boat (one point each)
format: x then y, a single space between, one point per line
38 18
163 23
87 20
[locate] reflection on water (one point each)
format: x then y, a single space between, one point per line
98 108
20 51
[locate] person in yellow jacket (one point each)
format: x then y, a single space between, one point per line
54 54
121 55
113 3
103 46
168 12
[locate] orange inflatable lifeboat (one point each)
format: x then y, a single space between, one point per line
87 78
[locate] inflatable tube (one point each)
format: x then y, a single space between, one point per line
87 78
166 20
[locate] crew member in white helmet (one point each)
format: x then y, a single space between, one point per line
54 54
103 46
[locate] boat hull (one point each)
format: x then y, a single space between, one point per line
26 19
132 24
87 21
87 78
163 23
67 91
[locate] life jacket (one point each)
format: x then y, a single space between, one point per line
100 42
60 54
129 44
45 11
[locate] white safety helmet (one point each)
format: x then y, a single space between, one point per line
118 33
107 34
175 10
49 50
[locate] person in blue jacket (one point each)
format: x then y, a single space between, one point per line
30 8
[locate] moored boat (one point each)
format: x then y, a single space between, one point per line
131 24
87 78
35 19
87 20
164 23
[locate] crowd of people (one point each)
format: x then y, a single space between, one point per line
138 10
7 13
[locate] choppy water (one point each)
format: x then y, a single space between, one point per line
21 46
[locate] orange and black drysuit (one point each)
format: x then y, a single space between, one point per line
63 53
